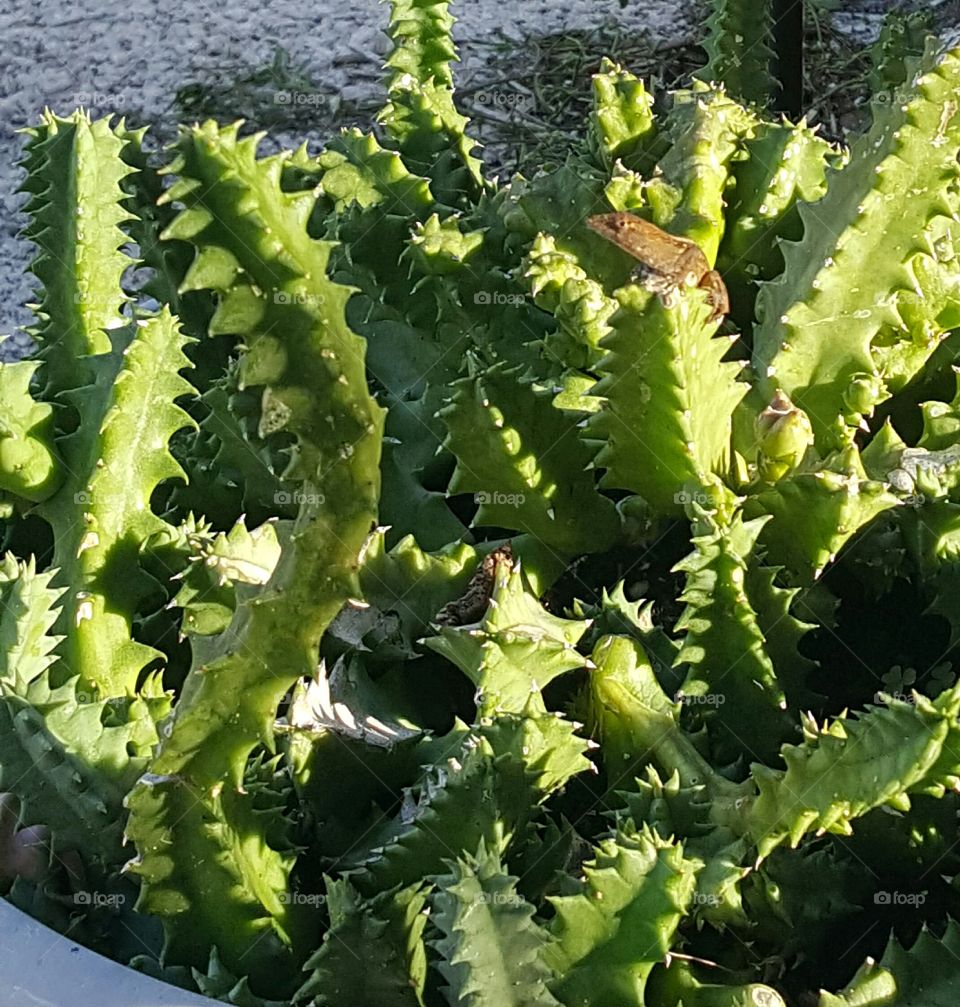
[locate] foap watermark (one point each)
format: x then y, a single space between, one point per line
298 99
685 497
703 699
504 99
99 99
900 697
298 497
303 899
110 702
899 898
499 899
99 900
498 499
705 899
497 297
296 297
100 498
90 300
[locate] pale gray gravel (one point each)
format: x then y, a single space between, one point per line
132 55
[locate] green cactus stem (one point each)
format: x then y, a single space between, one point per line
311 368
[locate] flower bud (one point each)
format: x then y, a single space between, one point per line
862 394
783 435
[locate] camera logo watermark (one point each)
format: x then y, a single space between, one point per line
109 702
290 297
899 898
298 497
303 899
89 300
705 699
498 297
298 98
505 99
685 497
99 498
900 697
99 900
498 499
499 899
99 99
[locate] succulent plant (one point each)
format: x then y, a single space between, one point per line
406 573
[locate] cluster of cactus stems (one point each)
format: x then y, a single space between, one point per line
407 602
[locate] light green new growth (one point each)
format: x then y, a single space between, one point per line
622 122
311 367
866 295
115 460
74 171
706 130
668 399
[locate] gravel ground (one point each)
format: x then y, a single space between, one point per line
133 55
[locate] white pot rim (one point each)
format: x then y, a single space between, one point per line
41 968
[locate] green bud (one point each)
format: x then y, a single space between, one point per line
441 248
862 394
624 191
784 433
